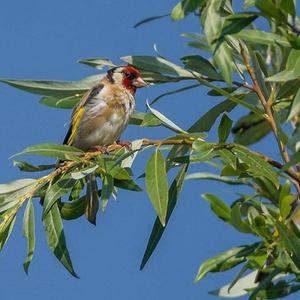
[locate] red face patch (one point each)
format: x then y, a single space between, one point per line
130 73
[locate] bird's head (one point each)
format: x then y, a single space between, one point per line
126 76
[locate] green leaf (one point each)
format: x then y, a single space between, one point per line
54 88
213 23
150 19
262 37
221 262
295 109
65 102
184 7
157 65
209 176
144 119
27 167
56 238
84 172
127 185
240 288
250 129
92 199
53 150
224 128
168 123
257 166
201 65
236 219
63 186
157 184
158 229
13 186
97 62
206 122
220 208
7 226
288 6
107 190
235 23
291 71
290 241
269 9
73 210
231 97
29 233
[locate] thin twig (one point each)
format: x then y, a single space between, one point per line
267 104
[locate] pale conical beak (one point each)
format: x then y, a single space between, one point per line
139 82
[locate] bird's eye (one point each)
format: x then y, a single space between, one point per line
129 76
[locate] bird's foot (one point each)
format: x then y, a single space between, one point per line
125 144
98 148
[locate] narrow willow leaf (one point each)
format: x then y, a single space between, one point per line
84 172
168 123
144 119
250 129
224 128
6 228
56 238
53 150
229 258
290 241
63 186
235 23
231 97
107 190
29 233
150 19
158 229
157 65
54 88
127 185
97 62
73 210
27 167
206 122
184 7
240 288
262 37
219 207
13 186
157 184
270 9
201 65
135 146
64 102
213 23
295 109
257 166
288 6
209 176
92 199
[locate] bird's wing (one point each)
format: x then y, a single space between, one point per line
78 112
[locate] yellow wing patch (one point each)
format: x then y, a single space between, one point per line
75 124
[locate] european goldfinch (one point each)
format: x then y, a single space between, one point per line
104 111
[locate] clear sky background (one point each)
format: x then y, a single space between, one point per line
43 40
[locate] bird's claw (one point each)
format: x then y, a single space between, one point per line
98 148
125 144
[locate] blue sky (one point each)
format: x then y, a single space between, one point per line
43 40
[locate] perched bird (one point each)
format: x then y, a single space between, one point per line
99 119
104 111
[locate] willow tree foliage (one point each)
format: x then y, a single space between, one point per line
244 64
